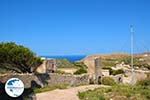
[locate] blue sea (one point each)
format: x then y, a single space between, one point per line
71 58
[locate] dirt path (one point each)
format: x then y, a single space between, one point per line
66 94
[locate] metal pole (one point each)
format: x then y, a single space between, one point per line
132 47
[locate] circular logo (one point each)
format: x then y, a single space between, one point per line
14 87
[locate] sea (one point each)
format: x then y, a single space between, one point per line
71 58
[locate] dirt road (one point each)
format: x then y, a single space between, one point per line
66 94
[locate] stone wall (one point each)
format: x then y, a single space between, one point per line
32 80
27 79
57 79
118 78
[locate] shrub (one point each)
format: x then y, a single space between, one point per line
101 97
80 71
60 72
108 81
80 65
147 66
148 95
145 82
81 95
116 72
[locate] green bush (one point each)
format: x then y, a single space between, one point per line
81 95
145 82
101 97
80 71
80 65
147 66
148 95
116 72
108 81
60 72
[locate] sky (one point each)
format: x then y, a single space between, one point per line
76 27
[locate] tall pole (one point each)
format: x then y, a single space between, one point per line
132 48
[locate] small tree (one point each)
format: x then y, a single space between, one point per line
18 58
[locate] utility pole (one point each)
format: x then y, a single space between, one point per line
132 51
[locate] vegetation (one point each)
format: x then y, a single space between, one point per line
117 92
145 82
140 62
18 58
60 72
140 91
82 68
137 62
2 71
80 71
108 63
49 88
147 66
65 64
80 65
125 59
108 81
114 72
28 94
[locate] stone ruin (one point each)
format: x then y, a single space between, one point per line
48 66
96 76
98 71
51 65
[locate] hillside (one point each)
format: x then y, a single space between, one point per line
141 61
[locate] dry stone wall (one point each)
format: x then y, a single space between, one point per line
32 80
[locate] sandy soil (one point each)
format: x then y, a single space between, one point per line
66 94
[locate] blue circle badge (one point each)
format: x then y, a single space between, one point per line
14 87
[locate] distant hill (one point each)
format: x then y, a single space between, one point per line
110 60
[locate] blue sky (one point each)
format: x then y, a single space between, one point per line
74 27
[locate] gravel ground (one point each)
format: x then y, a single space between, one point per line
66 94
